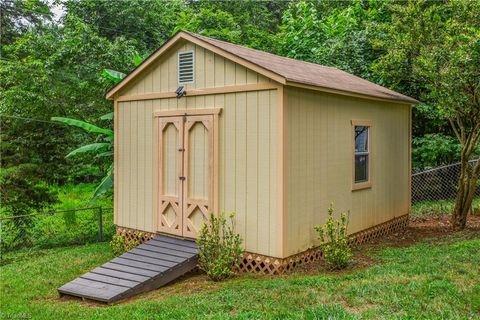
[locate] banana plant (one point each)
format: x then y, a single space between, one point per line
117 76
104 145
102 148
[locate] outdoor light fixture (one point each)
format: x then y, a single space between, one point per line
180 92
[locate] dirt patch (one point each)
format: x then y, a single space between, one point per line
357 309
437 229
433 228
360 260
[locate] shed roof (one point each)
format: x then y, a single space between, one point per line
291 70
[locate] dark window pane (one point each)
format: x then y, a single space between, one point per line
361 168
361 139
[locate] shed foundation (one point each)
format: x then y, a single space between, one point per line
255 263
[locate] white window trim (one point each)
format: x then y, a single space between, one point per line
193 67
364 184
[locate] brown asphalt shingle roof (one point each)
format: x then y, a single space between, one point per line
307 73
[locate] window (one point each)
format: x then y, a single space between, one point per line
185 67
361 159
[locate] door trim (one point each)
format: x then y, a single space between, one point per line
187 112
157 115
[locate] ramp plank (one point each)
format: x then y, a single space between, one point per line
163 250
91 289
185 243
159 256
132 270
146 267
120 274
143 258
162 244
139 264
109 280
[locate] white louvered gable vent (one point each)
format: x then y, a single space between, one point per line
185 67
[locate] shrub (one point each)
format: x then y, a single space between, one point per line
219 247
120 244
334 238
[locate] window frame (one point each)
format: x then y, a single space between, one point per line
363 184
193 67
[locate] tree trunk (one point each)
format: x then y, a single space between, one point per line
467 186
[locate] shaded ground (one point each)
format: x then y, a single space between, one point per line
432 229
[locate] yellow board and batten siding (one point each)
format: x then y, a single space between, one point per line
319 148
284 153
247 173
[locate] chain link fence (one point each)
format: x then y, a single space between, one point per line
56 228
438 183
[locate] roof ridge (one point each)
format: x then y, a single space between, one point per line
287 69
260 51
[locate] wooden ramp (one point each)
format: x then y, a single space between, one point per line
146 267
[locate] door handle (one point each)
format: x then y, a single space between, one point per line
182 178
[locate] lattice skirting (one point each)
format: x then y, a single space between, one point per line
134 235
268 265
255 263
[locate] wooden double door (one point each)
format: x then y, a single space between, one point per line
185 173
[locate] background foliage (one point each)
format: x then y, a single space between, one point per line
50 66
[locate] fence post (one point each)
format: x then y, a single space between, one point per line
100 224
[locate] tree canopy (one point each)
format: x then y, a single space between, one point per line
52 67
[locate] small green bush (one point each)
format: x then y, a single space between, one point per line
219 247
120 244
333 235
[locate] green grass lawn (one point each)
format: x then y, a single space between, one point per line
74 196
63 226
429 280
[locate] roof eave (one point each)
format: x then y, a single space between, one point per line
407 100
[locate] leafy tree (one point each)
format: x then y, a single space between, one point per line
434 150
300 25
212 23
146 23
436 47
22 191
54 71
19 16
402 36
256 22
337 35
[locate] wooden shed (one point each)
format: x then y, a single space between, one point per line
207 126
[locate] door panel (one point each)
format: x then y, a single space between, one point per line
171 168
198 170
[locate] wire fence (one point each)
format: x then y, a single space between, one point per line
56 228
438 183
